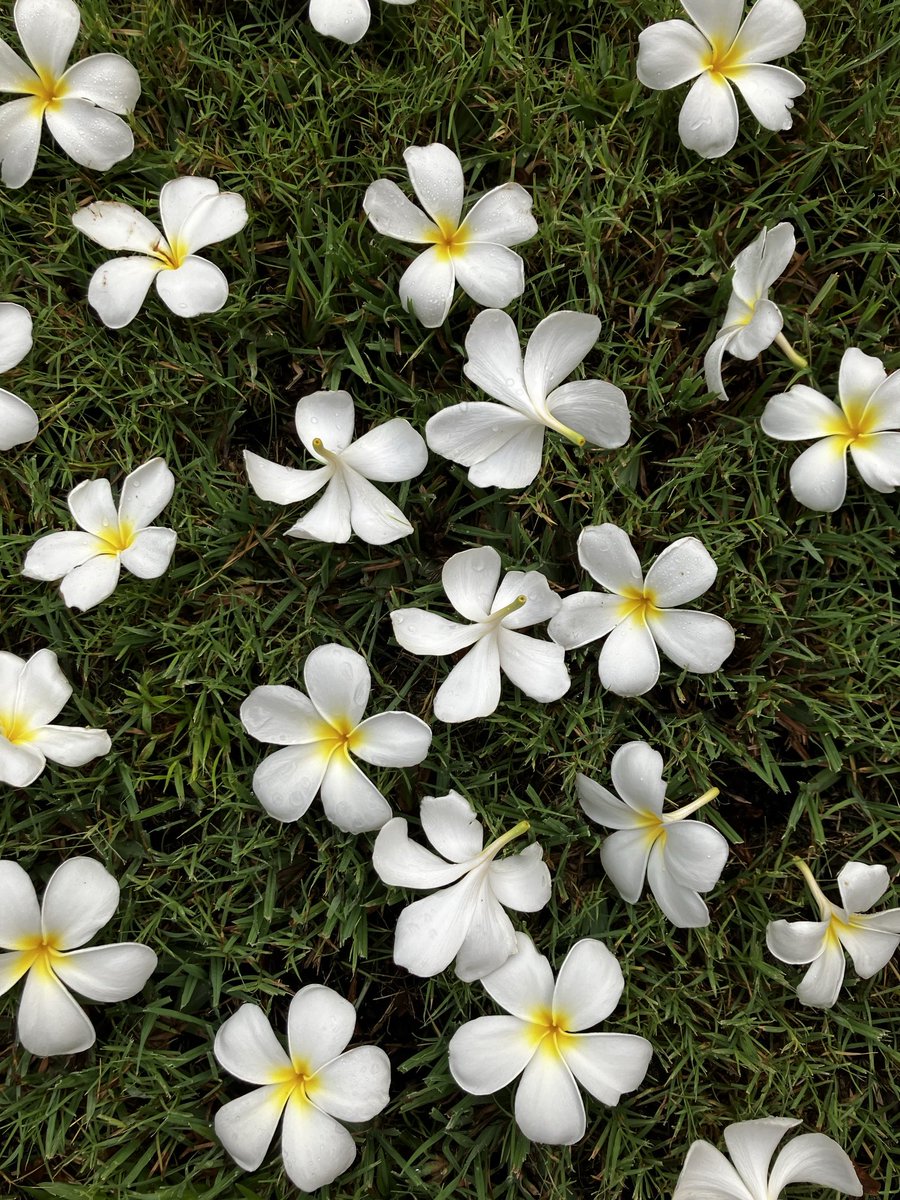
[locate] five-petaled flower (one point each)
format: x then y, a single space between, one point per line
18 420
389 453
502 444
316 1085
194 214
808 1158
467 920
40 942
346 20
719 52
867 424
79 105
88 563
473 253
544 1040
869 938
641 614
319 731
679 858
472 689
31 695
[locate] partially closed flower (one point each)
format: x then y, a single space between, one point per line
346 20
18 421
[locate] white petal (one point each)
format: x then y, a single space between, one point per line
436 175
282 716
20 140
20 913
695 854
118 288
47 30
179 199
799 414
107 80
475 432
218 216
495 360
91 504
680 902
20 765
708 122
695 641
490 1052
629 663
536 667
524 984
887 921
502 216
624 857
492 275
588 987
607 1064
42 689
427 286
338 682
150 553
603 807
287 781
670 53
11 668
91 583
751 1145
759 333
796 941
196 287
18 421
356 1085
373 517
283 485
350 800
819 476
79 899
117 226
320 1024
92 136
870 948
107 973
861 885
684 571
392 739
548 1105
772 29
521 881
708 1175
15 335
712 364
595 409
754 275
50 1019
883 407
470 580
145 493
430 932
554 350
515 463
314 1147
56 554
541 602
637 775
247 1048
71 747
388 453
814 1158
472 689
719 20
489 940
606 553
404 863
393 214
329 518
246 1126
769 92
877 458
13 965
585 617
821 984
327 417
423 632
14 71
452 828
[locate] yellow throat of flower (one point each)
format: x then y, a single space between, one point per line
171 254
297 1083
113 539
47 89
548 1032
724 60
16 728
37 954
639 603
856 422
451 240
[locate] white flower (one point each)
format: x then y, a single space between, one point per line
466 921
346 20
40 943
31 694
753 321
78 104
316 1086
867 424
88 563
869 940
18 421
680 858
194 214
318 732
472 689
640 614
388 453
809 1158
473 253
722 51
503 444
543 1040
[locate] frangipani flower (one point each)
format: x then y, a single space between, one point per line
88 563
867 424
18 420
473 253
680 858
752 321
316 1086
318 732
465 921
78 104
503 444
40 942
472 689
388 453
809 1158
31 694
641 614
194 214
719 52
346 20
544 1040
870 940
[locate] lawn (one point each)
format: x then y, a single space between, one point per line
798 730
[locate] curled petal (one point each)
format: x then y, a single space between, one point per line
708 1175
588 987
326 417
819 476
404 863
470 579
536 667
373 517
472 689
554 350
389 453
596 410
489 940
217 216
695 854
548 1105
759 333
814 1158
680 902
452 828
695 641
502 216
180 198
515 464
751 1145
861 885
521 881
624 857
423 632
603 807
796 941
637 775
329 518
821 984
712 363
671 52
431 931
283 485
490 1052
708 122
478 433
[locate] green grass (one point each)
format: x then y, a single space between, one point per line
799 729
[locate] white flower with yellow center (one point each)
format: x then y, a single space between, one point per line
867 424
88 563
18 420
473 253
718 53
544 1040
194 214
869 939
753 321
640 614
346 20
810 1158
466 921
679 858
315 1086
31 695
320 732
78 104
40 943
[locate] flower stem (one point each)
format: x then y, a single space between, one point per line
784 345
825 905
680 813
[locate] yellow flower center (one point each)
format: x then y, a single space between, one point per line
549 1033
16 728
37 953
47 90
450 240
724 59
297 1083
338 735
855 422
113 539
171 254
639 603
